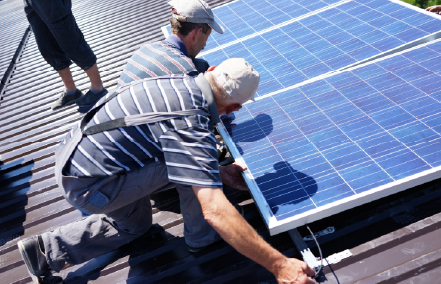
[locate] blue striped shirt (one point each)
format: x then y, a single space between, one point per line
186 145
157 59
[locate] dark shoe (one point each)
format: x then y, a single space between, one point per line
194 249
89 99
197 249
65 100
85 109
34 258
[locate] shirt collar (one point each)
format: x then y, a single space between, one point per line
209 96
178 43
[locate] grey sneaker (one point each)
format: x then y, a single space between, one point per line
65 100
33 256
90 98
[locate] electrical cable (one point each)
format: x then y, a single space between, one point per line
320 251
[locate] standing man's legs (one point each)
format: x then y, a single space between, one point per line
92 73
95 78
59 39
66 77
53 54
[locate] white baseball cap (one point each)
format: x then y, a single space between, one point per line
238 78
195 11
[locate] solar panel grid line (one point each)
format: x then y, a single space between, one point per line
416 59
333 146
354 201
367 137
165 29
416 43
271 28
292 173
339 3
318 62
267 214
301 183
349 68
251 8
276 227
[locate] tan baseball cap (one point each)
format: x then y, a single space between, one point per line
238 78
195 11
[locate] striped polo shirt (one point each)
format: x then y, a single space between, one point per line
161 58
186 145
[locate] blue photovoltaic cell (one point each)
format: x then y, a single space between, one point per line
327 41
345 134
243 18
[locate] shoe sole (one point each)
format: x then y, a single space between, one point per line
22 250
65 105
91 104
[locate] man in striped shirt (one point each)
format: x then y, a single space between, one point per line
110 165
191 25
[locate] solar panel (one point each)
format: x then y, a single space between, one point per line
243 18
331 130
343 140
327 41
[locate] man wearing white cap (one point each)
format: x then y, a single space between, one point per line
191 25
152 135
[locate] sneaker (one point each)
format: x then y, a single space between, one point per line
65 100
89 99
33 256
197 249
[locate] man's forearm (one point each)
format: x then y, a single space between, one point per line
225 219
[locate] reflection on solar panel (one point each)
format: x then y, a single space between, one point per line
320 140
345 138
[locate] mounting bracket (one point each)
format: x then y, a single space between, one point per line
302 247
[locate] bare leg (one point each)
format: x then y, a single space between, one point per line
66 77
71 92
95 78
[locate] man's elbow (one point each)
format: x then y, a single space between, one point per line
213 202
212 214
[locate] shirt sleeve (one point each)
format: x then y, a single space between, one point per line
191 157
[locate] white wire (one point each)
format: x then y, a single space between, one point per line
320 251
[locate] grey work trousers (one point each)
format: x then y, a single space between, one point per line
121 212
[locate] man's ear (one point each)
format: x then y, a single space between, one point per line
194 35
233 107
237 107
197 32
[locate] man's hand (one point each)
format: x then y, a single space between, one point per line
231 175
294 271
435 9
233 228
